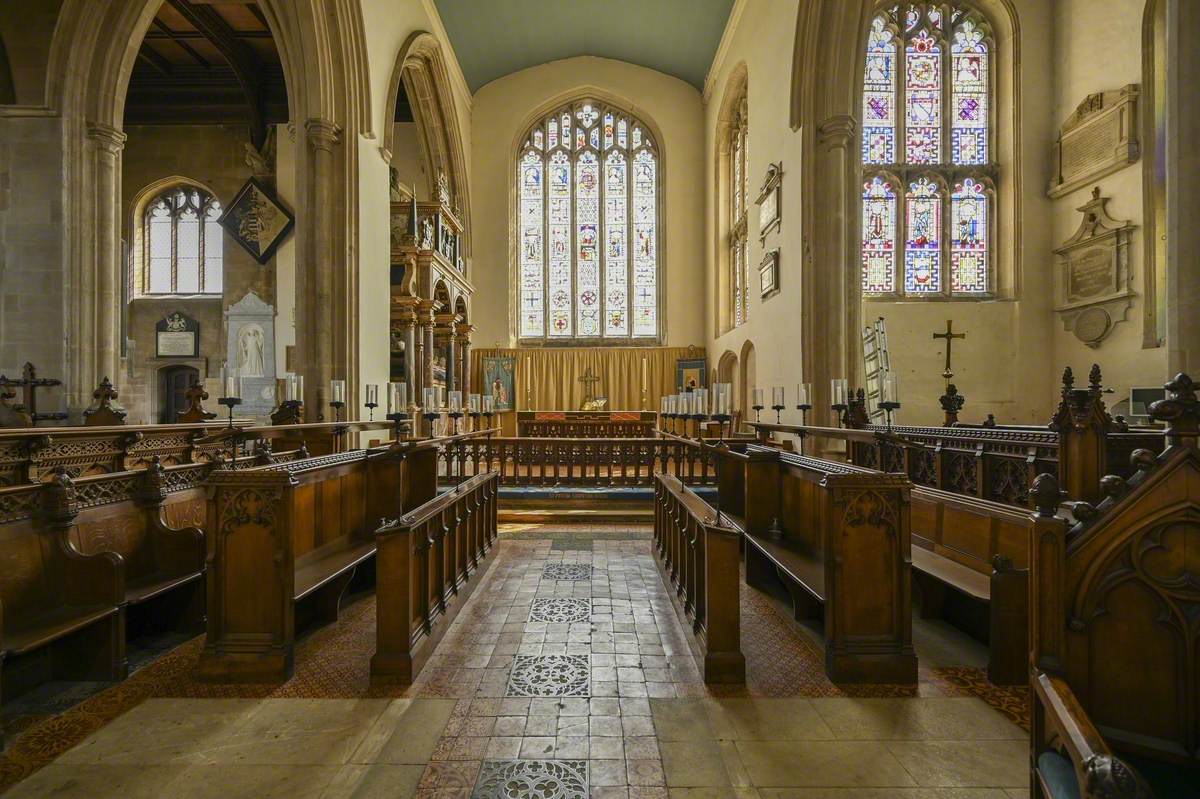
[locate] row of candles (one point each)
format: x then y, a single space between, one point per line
699 402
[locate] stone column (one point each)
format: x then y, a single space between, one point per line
425 322
406 320
833 304
463 336
104 144
1183 206
318 297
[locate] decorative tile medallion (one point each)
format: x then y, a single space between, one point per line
544 779
550 675
567 571
569 610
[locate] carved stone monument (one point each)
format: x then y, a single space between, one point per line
1097 140
1092 279
250 348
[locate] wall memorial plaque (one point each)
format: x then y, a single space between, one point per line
1097 140
250 338
177 335
768 201
1092 280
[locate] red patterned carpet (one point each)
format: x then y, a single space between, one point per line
333 662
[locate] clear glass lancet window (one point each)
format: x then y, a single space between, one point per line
182 243
588 187
927 152
739 190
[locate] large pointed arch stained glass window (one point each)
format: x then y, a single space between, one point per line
927 127
589 189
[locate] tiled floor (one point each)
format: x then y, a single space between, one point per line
566 675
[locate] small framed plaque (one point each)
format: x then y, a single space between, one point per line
768 201
768 273
177 336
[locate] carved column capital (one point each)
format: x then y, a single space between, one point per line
837 131
107 138
322 133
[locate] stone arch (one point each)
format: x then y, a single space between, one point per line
727 366
441 294
421 68
324 61
747 380
826 110
460 308
735 93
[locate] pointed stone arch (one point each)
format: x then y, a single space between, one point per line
421 69
734 96
323 54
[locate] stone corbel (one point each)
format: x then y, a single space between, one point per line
323 134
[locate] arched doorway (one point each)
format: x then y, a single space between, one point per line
173 385
747 380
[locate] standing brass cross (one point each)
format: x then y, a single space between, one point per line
589 381
949 335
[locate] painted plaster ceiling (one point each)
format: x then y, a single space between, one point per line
494 38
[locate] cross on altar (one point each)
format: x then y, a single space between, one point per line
949 336
29 384
589 381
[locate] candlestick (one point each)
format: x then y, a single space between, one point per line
840 391
889 393
372 400
758 404
337 392
777 399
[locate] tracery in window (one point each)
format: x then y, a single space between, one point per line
926 150
182 244
739 196
589 186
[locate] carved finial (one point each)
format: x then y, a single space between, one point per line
152 486
302 453
1180 411
195 411
1113 486
1084 512
1068 380
59 505
1143 460
1120 424
990 421
952 403
1045 494
1109 777
103 411
1096 193
1094 379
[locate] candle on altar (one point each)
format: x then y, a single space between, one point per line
758 398
231 381
644 383
372 394
777 396
455 401
804 393
337 391
397 398
840 390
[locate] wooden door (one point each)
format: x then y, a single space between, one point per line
173 386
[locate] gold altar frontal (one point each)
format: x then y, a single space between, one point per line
586 424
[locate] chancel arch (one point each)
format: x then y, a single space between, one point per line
92 58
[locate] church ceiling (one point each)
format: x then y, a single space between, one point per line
207 62
499 37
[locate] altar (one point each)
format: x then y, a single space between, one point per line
586 424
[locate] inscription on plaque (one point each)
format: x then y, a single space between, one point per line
1093 275
1090 274
177 335
1097 140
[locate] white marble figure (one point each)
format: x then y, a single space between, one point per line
250 350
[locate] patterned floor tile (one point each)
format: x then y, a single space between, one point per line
567 571
520 779
550 675
565 610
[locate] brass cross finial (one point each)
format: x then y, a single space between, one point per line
949 336
589 381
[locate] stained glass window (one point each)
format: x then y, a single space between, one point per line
589 226
738 200
182 247
927 126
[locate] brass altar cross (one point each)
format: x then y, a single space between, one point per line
589 381
949 335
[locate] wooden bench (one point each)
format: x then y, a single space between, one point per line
60 610
835 539
976 549
282 534
698 554
429 561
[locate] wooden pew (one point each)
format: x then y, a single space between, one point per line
282 534
836 539
1072 758
428 563
973 548
60 610
698 554
1115 599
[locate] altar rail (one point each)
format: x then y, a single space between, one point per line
578 424
581 462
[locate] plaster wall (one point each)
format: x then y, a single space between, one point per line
407 159
27 28
501 111
1081 33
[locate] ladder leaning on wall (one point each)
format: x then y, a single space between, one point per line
876 364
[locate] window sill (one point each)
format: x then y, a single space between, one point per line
185 297
940 298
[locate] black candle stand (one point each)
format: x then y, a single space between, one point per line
889 408
778 410
234 442
841 410
398 420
